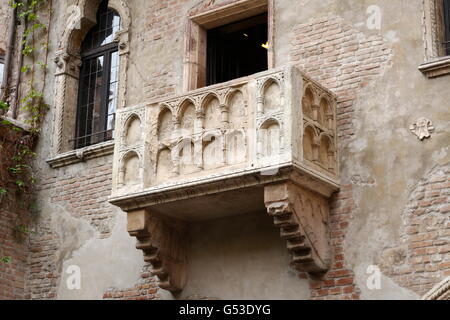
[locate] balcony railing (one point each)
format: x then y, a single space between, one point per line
266 142
260 123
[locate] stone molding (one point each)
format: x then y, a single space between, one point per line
436 62
82 155
439 292
436 68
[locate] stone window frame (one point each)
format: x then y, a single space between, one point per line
68 63
437 63
209 17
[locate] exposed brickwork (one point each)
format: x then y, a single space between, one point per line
164 27
342 59
84 196
13 244
339 282
345 61
13 213
423 259
146 289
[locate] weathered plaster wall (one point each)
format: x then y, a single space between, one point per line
382 160
383 164
4 23
241 258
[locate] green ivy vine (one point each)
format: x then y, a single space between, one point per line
20 178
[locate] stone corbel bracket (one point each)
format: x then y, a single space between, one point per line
302 217
164 245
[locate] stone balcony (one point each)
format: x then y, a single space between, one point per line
266 142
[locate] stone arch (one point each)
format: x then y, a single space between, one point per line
326 115
187 115
83 17
164 164
310 138
211 109
327 152
270 138
212 150
272 93
165 123
237 109
206 99
133 130
308 102
236 146
130 169
185 155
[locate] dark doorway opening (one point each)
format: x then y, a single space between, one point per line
237 50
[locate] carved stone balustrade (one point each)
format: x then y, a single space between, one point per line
266 142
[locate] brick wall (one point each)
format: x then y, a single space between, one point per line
345 61
164 27
84 195
339 281
339 57
146 289
423 259
342 59
13 213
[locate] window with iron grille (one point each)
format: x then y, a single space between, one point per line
97 95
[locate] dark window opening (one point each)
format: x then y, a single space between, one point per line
97 92
447 26
237 50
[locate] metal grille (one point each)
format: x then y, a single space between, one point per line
97 98
108 23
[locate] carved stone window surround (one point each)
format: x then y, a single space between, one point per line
437 63
68 63
197 24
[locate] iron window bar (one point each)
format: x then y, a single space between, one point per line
111 131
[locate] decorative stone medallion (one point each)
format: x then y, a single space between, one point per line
423 128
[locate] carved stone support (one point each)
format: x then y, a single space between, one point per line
224 116
315 110
260 106
302 217
163 242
